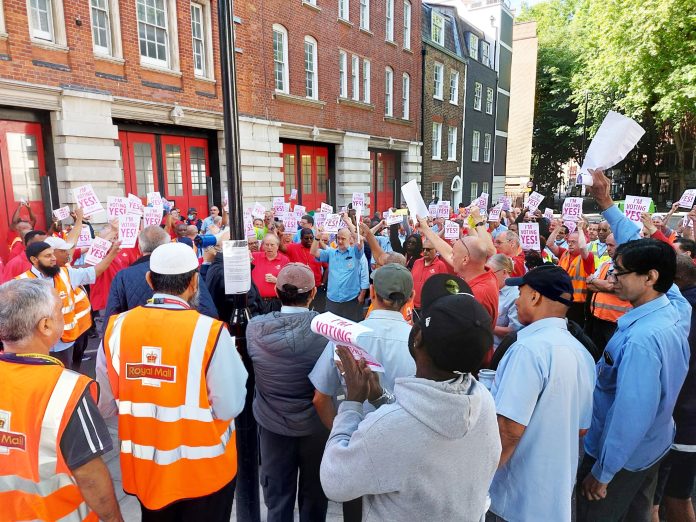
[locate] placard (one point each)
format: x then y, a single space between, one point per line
225 202
154 199
278 205
358 200
249 228
84 240
290 223
414 200
128 226
443 209
451 230
300 211
236 266
259 211
534 201
686 222
97 251
87 200
572 226
687 199
116 206
432 210
548 213
135 205
634 206
505 201
332 223
394 219
572 209
529 236
338 329
326 208
152 216
494 214
482 202
293 194
319 219
61 213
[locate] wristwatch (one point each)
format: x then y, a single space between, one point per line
480 223
385 398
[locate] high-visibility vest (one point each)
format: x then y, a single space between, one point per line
598 260
61 282
83 310
605 305
576 271
35 481
172 447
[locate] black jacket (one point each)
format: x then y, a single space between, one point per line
215 279
685 408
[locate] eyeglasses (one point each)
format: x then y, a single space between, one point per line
468 253
615 274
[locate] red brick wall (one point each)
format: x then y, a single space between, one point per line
84 67
255 78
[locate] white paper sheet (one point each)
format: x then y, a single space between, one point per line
237 267
414 200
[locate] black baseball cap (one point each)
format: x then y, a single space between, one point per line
551 281
440 285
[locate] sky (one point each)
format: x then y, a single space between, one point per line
517 3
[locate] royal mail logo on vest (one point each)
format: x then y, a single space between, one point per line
151 371
10 440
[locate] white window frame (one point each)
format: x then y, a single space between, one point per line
486 148
56 35
344 10
407 24
437 141
486 53
3 30
438 79
315 68
342 74
389 21
366 80
451 143
208 73
436 190
279 29
474 194
365 15
478 93
405 96
100 49
454 87
476 146
484 187
437 28
473 46
355 77
172 40
388 92
489 100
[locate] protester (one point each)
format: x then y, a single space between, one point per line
496 228
301 253
20 264
306 223
424 268
179 387
508 243
543 396
685 247
267 263
55 471
210 220
638 377
501 265
404 459
193 220
598 246
292 437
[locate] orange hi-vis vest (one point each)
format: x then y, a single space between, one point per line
172 447
576 271
605 305
35 481
83 310
61 282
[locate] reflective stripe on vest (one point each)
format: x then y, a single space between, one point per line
48 443
83 310
576 272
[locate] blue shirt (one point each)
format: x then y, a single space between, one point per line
638 378
206 223
344 273
385 243
507 311
545 383
498 230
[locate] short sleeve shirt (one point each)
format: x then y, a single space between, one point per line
344 273
263 266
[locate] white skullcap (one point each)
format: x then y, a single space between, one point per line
58 243
172 259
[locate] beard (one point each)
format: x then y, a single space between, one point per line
49 271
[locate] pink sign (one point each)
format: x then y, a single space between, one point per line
534 201
61 213
116 206
529 236
87 200
97 252
634 206
572 209
128 226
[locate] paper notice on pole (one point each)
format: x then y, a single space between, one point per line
394 219
152 217
290 223
615 138
443 209
634 206
259 211
85 238
332 223
451 230
534 201
687 199
116 206
494 214
414 200
278 205
61 213
135 205
326 208
432 210
319 219
572 226
572 209
548 213
529 236
293 194
87 200
97 251
483 202
358 200
128 226
505 201
237 267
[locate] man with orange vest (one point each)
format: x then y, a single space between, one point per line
606 308
177 382
51 433
579 263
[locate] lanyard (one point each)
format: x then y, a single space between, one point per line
42 357
166 300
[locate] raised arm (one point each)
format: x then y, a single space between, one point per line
624 229
551 242
74 234
482 231
378 252
582 242
442 246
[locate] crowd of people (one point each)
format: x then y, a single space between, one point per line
495 383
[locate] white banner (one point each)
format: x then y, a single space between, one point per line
237 266
414 200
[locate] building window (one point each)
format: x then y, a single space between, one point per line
478 92
407 24
406 95
452 143
2 20
474 191
454 87
389 31
486 149
438 73
310 51
475 145
157 33
355 77
489 100
343 9
41 19
365 15
473 46
485 53
436 190
437 140
484 188
198 35
366 81
342 74
388 92
437 28
280 58
101 30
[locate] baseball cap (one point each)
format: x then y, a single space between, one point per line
192 210
59 243
551 281
297 275
172 259
35 249
440 285
392 279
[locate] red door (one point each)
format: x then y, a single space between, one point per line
21 171
186 172
384 168
139 163
308 172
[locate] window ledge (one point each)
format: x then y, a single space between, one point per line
366 31
345 22
3 35
298 100
155 68
312 6
479 109
391 42
436 159
453 160
454 103
398 121
407 50
205 79
107 58
439 98
44 44
356 103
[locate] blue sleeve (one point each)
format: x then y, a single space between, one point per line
116 303
364 274
325 255
624 229
324 375
683 307
638 392
206 306
226 379
203 270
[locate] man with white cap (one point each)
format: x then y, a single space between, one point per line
178 382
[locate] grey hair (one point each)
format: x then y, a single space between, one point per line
512 236
151 237
23 303
396 258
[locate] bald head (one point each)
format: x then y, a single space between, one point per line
477 251
191 231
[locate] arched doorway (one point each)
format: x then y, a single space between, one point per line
456 189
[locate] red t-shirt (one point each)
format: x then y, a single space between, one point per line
99 291
263 266
16 266
485 290
588 262
519 268
16 249
422 273
298 254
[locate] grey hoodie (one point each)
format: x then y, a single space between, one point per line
429 456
